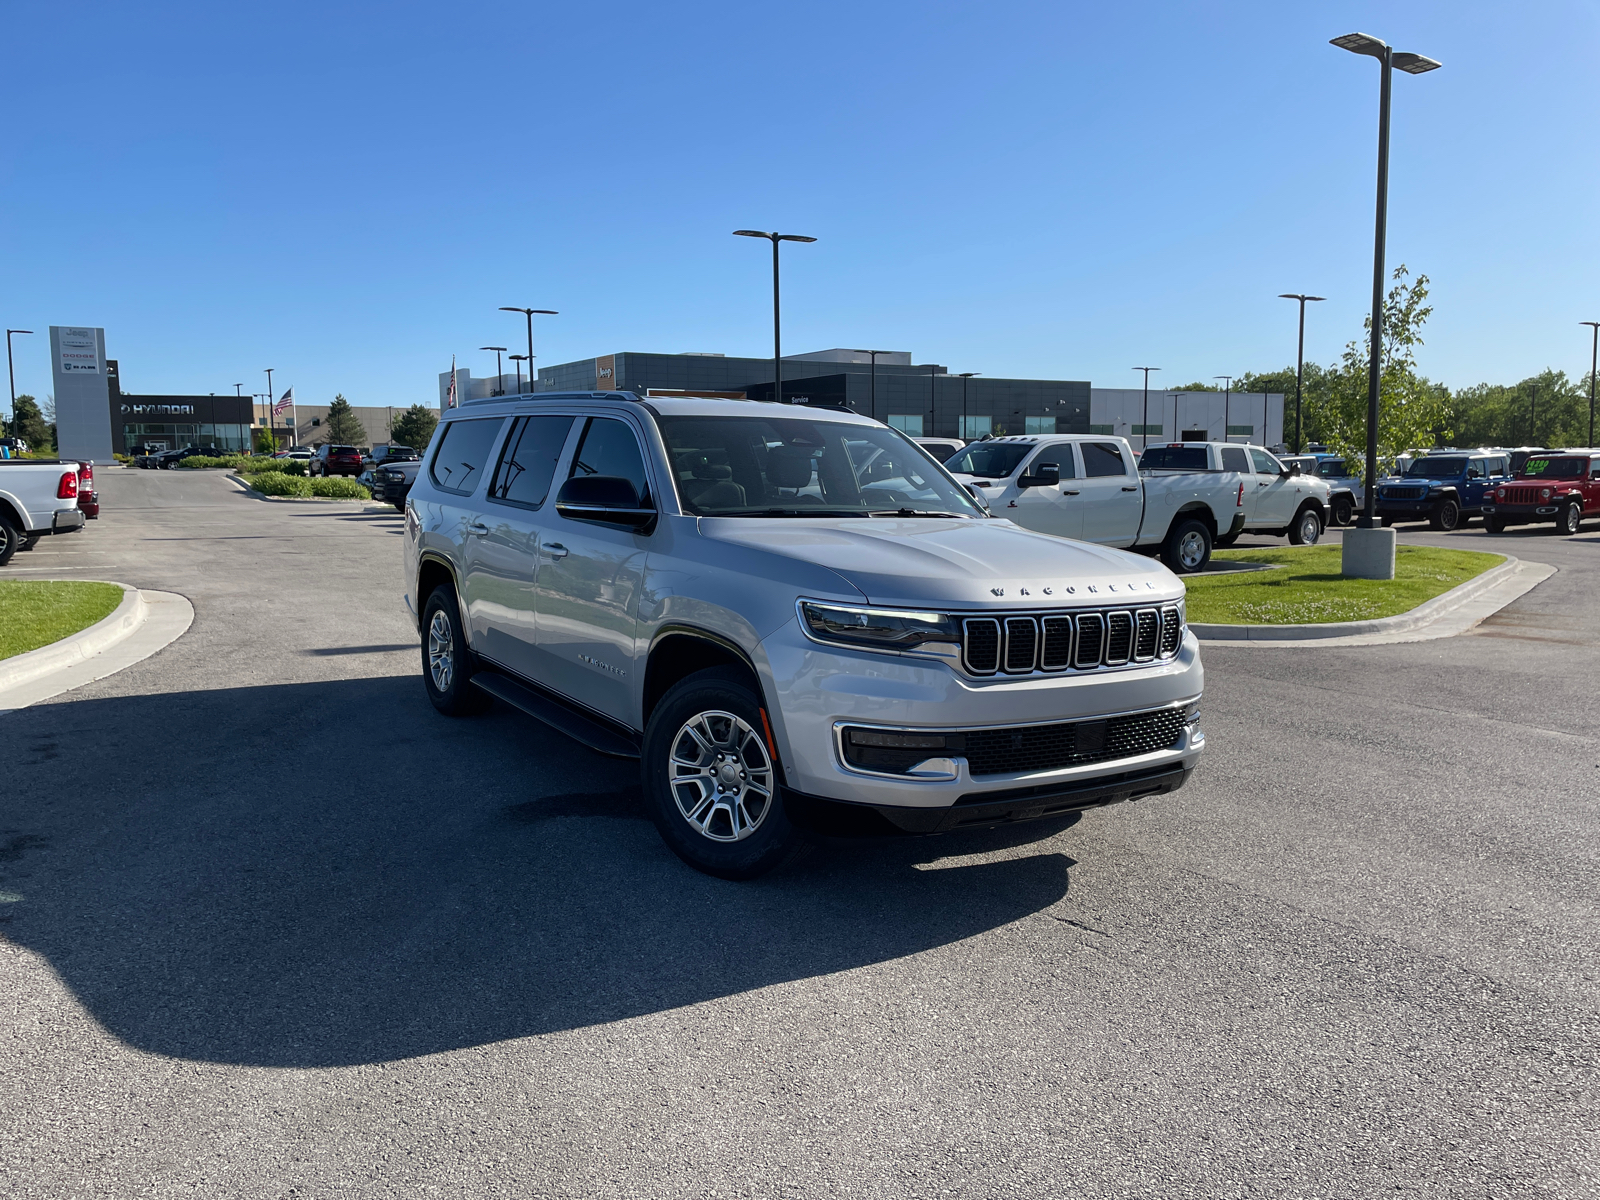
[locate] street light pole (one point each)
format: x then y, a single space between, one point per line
498 372
530 313
1299 360
1146 426
1594 359
1227 395
933 375
965 375
10 372
872 378
519 359
1412 64
777 331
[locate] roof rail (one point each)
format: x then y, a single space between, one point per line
620 395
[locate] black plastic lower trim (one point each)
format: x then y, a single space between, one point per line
538 704
840 817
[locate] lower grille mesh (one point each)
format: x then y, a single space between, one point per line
1069 744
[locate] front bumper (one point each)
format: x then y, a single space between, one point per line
1514 514
815 689
1406 510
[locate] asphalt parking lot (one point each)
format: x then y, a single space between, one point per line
272 927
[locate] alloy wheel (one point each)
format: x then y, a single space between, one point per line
720 776
1192 550
441 651
1310 528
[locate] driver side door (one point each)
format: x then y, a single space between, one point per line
1277 494
1053 510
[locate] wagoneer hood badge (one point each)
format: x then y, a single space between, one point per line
982 564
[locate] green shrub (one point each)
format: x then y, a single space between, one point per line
254 466
121 458
338 487
202 460
277 483
293 466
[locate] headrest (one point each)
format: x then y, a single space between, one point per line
704 468
788 467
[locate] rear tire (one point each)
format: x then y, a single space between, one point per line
10 539
1494 524
1307 528
1187 548
1226 540
29 541
710 781
446 660
1570 519
1344 511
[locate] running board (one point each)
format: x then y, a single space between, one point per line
558 716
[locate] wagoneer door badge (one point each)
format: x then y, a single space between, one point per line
603 666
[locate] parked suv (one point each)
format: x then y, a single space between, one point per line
336 460
1561 487
1446 488
795 619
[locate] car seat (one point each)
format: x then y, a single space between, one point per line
788 467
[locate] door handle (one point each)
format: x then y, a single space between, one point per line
555 549
1130 489
1262 483
1068 492
477 528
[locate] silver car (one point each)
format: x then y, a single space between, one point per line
795 619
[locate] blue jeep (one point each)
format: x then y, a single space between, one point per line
1445 488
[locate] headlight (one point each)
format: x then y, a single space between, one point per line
1544 493
876 628
1501 492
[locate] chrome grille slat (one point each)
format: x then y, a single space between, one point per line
1022 645
980 645
1056 653
1119 638
1148 639
1171 632
1091 640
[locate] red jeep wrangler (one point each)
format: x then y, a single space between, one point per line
1562 486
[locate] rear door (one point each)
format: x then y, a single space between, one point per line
503 554
589 579
1112 499
1237 458
1054 510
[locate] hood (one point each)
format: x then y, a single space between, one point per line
930 562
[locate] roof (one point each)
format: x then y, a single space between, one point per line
674 406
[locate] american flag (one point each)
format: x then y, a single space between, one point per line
283 405
450 396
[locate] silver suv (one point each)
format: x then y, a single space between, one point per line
794 618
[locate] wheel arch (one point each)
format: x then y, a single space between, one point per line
433 572
1193 509
678 651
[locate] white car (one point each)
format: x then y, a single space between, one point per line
39 497
1278 500
1090 487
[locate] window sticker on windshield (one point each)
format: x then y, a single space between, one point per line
1536 466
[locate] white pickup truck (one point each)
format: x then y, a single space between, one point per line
1090 487
39 497
1278 500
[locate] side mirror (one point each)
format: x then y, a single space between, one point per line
1293 469
977 494
607 499
1044 475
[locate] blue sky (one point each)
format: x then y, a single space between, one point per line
347 193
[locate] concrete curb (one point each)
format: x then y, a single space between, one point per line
1425 613
75 648
163 617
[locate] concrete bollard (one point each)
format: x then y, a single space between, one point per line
1368 554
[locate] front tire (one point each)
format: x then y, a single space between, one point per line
1570 519
710 780
1446 517
1494 524
446 660
1187 548
1344 510
10 539
1307 528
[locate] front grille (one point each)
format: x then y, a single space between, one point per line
1522 495
1403 493
1071 743
1022 644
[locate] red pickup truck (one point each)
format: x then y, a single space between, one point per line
1558 486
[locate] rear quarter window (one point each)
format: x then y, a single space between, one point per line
463 454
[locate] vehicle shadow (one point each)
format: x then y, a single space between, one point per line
407 884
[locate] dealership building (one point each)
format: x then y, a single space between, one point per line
924 399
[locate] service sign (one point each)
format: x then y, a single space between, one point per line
80 350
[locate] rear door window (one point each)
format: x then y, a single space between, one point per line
528 461
1101 459
463 454
1234 458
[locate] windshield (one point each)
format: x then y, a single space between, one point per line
989 460
1332 468
1175 458
1436 468
783 467
1556 468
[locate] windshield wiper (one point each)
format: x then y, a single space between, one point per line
916 512
789 512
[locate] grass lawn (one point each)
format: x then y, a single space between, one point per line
1308 589
36 613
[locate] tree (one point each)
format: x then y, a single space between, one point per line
1547 409
415 426
1412 410
29 424
266 441
1193 387
344 429
1282 382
